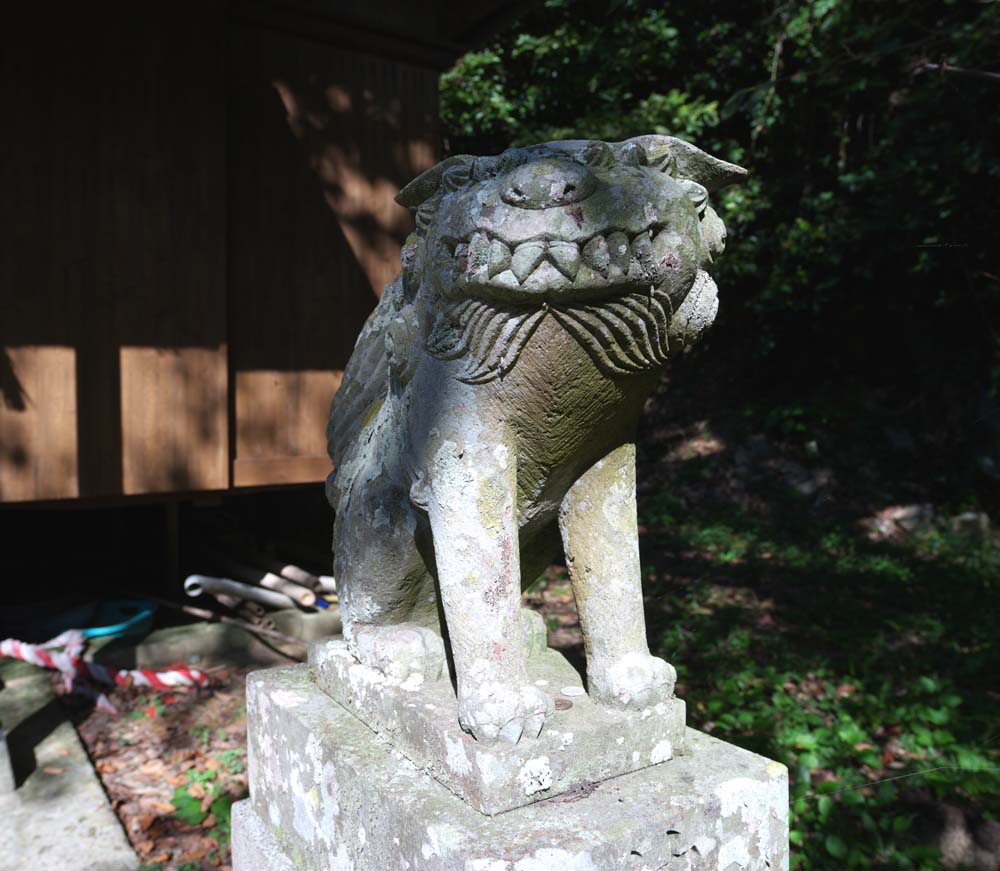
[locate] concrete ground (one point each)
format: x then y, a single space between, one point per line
58 817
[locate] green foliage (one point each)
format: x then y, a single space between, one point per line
233 760
190 804
201 734
149 707
864 676
187 807
864 246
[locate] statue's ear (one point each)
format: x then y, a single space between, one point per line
686 161
425 185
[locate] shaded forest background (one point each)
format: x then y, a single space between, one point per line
861 289
819 477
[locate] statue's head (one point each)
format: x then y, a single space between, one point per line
569 225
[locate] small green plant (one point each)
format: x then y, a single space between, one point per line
146 707
233 760
201 734
189 799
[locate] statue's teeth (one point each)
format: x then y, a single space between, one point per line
499 257
597 256
618 251
507 279
478 255
526 258
642 248
588 279
565 256
641 260
665 256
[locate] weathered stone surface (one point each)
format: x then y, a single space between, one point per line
59 817
487 415
582 742
6 772
327 795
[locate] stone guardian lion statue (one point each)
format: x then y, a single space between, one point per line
487 415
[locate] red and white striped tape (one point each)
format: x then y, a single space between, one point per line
64 654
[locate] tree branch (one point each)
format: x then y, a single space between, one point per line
959 71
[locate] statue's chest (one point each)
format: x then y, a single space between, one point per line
564 412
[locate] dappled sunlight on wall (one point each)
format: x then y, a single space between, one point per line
364 206
321 140
173 419
279 412
38 418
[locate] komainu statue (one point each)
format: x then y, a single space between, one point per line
488 412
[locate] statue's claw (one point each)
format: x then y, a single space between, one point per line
636 680
497 712
400 651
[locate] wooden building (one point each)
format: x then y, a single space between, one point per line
197 210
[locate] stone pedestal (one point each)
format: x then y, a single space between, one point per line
327 792
582 742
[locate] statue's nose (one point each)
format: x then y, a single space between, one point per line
548 182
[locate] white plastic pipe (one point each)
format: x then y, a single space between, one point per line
195 585
269 580
295 574
303 595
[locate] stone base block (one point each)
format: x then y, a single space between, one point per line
581 742
327 793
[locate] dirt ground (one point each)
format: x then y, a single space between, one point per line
172 765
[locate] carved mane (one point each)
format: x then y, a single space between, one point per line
366 380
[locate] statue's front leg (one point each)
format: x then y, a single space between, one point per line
470 498
601 539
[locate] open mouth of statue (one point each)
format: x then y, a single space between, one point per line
613 259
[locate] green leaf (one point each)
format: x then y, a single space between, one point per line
835 846
222 808
187 807
825 805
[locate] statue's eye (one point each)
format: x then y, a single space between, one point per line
632 154
598 154
456 176
661 158
697 193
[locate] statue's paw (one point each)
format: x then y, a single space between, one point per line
498 712
636 680
400 651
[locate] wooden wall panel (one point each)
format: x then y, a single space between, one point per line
174 419
321 139
295 452
38 424
112 167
